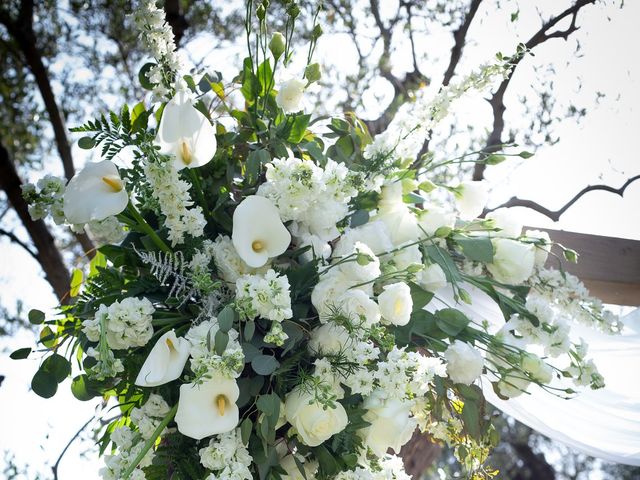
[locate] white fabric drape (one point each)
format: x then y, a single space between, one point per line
602 423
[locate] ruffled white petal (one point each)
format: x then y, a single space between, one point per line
165 362
88 197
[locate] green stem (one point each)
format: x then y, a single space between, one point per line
149 443
146 228
197 184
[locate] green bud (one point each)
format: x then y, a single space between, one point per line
363 259
414 268
494 159
464 296
571 255
525 154
316 32
427 186
442 232
312 72
277 45
261 12
293 10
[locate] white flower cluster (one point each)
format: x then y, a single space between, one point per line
45 199
316 197
172 195
227 457
204 359
148 417
406 133
266 296
129 446
464 363
389 468
567 292
107 365
126 323
158 38
228 263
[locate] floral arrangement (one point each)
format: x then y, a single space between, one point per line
264 305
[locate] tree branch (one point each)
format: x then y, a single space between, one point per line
55 466
48 254
556 214
497 100
16 240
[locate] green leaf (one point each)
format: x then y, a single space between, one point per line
226 318
359 217
326 460
20 354
81 388
86 143
419 296
142 76
298 128
471 418
264 364
98 261
249 330
245 430
76 282
58 366
451 321
264 77
220 342
442 258
269 404
44 384
36 317
476 249
250 85
255 161
48 338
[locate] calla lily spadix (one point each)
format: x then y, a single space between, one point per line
94 193
185 133
165 362
208 408
258 232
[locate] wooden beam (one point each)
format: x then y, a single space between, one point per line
608 266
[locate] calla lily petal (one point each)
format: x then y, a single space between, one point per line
208 408
95 193
186 133
258 233
165 362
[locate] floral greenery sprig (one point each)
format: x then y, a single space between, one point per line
288 302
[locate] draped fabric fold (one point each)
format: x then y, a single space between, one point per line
602 423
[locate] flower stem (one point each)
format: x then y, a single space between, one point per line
149 443
146 228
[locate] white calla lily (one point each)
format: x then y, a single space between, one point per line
165 362
94 193
208 408
185 133
258 233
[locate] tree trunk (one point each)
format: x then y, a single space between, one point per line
48 254
419 454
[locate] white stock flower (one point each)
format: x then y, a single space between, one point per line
95 193
208 408
464 363
165 361
329 339
258 233
391 423
513 261
290 94
508 221
432 278
314 423
471 198
185 133
396 303
543 249
434 217
402 225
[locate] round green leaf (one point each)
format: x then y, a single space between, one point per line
36 317
44 384
48 338
264 364
20 354
58 366
86 143
81 388
142 76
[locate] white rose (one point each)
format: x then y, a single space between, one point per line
396 303
395 214
507 221
313 422
471 198
359 307
542 251
513 261
329 339
327 290
432 278
391 423
290 94
513 385
537 368
464 363
434 217
364 266
374 234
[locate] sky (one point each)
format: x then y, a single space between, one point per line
602 148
